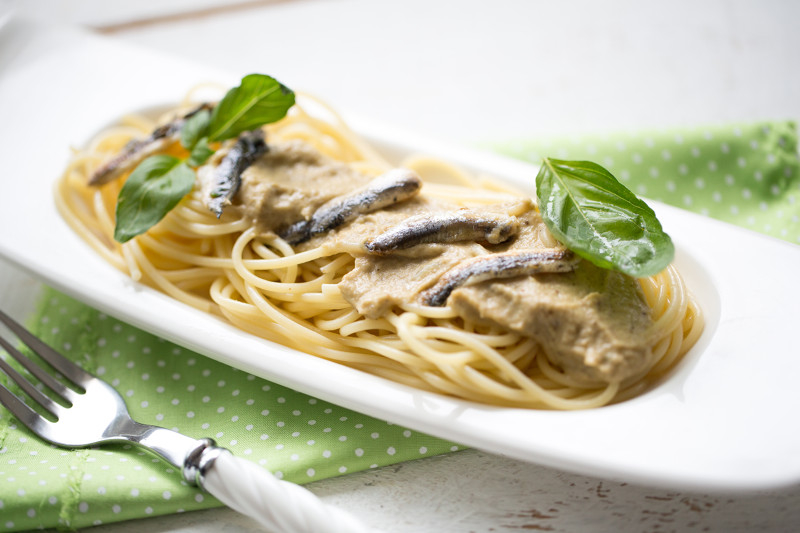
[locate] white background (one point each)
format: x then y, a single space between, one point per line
471 72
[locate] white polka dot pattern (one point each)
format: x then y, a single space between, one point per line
745 174
297 437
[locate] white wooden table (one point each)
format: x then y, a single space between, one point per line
469 72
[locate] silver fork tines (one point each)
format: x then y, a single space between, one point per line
88 411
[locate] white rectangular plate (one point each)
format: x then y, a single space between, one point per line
725 419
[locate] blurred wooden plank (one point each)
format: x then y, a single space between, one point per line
184 16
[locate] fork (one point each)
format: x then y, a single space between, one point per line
88 411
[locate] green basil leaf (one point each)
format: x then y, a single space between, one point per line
200 153
151 191
598 218
195 128
259 100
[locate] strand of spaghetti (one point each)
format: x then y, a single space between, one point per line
104 222
526 388
357 359
131 264
246 313
191 273
476 347
337 264
282 262
225 248
522 352
579 402
323 297
74 221
443 313
293 336
284 249
189 258
561 379
313 304
453 173
286 275
448 192
117 136
409 332
671 348
290 323
683 339
410 361
676 307
451 375
336 323
492 339
663 293
321 138
365 150
675 341
365 324
186 210
192 211
491 184
188 229
254 326
156 278
331 291
655 294
263 251
694 322
263 284
441 385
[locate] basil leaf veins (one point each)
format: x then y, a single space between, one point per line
598 218
200 153
259 100
195 128
151 191
159 182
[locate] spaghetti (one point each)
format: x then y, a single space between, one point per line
291 294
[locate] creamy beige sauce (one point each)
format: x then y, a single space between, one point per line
592 323
290 182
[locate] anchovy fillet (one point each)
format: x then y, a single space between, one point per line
228 174
499 266
392 187
451 226
137 150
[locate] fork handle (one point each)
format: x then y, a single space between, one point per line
278 505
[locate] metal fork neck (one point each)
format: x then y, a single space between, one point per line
200 460
189 455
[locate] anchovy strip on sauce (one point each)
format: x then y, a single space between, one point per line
392 187
228 174
499 266
137 150
447 227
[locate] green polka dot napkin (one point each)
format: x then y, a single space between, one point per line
745 174
297 437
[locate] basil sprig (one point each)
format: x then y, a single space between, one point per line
598 218
257 101
159 182
155 186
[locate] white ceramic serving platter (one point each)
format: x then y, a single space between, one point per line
726 419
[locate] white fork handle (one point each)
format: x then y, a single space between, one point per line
280 506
